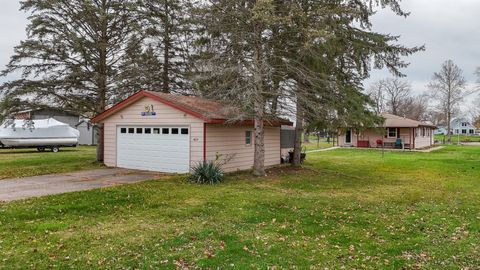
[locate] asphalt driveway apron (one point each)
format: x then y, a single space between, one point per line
37 186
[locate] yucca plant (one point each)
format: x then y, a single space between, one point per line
207 172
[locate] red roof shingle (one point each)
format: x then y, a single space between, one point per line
210 111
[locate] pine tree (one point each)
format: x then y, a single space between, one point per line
314 54
169 29
71 54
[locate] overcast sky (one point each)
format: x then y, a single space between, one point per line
450 29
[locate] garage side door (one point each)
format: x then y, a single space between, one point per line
162 149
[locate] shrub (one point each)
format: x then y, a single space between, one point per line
207 172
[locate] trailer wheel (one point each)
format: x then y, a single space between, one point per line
55 149
41 149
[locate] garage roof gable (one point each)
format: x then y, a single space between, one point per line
210 111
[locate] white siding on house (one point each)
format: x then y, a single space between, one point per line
165 115
372 135
406 134
423 139
229 142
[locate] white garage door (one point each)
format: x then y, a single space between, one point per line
162 149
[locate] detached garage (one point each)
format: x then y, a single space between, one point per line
171 133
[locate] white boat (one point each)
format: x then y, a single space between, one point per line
48 133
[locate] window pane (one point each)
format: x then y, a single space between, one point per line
131 130
123 130
174 130
156 131
139 130
184 131
248 137
165 131
392 132
148 131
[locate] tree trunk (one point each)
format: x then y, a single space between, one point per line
449 138
166 52
102 80
259 155
259 111
100 142
297 147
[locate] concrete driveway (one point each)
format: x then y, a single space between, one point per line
37 186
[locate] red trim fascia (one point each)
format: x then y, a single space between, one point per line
138 96
143 93
117 107
204 141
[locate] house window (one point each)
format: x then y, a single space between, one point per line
456 131
123 130
392 132
248 137
472 131
464 124
464 131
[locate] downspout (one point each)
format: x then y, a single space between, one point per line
204 142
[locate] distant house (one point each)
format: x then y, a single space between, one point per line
396 132
441 130
461 126
87 131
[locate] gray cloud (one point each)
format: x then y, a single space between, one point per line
448 29
12 30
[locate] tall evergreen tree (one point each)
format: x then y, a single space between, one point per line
71 54
170 32
140 69
314 54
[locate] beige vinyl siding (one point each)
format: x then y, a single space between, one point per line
406 134
229 142
424 141
166 116
372 135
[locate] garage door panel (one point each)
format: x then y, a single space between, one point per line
155 152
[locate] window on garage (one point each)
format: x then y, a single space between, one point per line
165 131
139 130
184 131
131 130
156 131
174 130
123 130
248 137
148 131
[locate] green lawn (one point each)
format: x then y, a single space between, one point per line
316 145
29 162
456 138
346 208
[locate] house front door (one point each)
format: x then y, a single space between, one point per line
348 136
